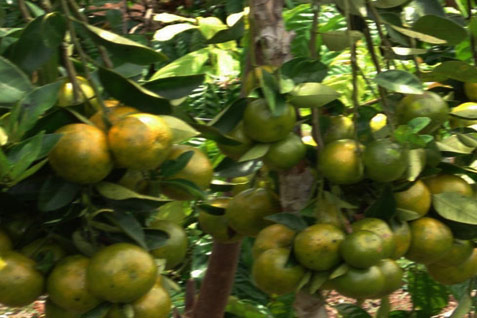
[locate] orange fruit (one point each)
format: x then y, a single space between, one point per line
448 183
317 247
140 141
340 127
174 249
121 273
428 104
457 122
236 151
362 249
431 239
198 170
39 250
286 153
53 311
402 237
114 114
417 198
5 242
67 288
217 225
261 125
382 229
272 275
459 253
454 274
66 95
341 163
20 282
81 155
360 283
155 304
135 180
393 275
247 210
15 226
470 90
384 161
273 236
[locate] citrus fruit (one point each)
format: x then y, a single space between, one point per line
5 242
402 238
384 161
198 170
174 249
155 304
135 180
378 122
42 249
362 249
285 153
217 225
236 151
241 184
272 274
433 155
262 125
273 236
53 311
20 282
317 247
247 210
382 229
470 90
457 122
121 273
66 95
360 283
416 198
16 225
140 141
460 251
454 274
66 285
340 162
393 275
428 104
114 114
328 212
448 183
431 239
340 127
81 155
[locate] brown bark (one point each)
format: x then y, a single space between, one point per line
217 284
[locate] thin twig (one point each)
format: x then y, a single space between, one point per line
384 39
71 72
24 11
472 36
414 58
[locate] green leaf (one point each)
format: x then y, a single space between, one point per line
181 130
99 311
457 70
469 112
416 162
235 32
291 220
14 84
419 123
214 134
317 280
407 215
419 36
441 28
175 211
426 294
357 7
384 207
132 94
210 26
406 51
256 152
175 87
228 118
124 48
25 156
351 311
339 271
271 89
170 31
56 193
399 82
385 4
452 144
469 140
171 167
115 191
339 40
189 64
53 28
171 18
185 185
307 95
155 238
229 168
304 70
456 207
130 226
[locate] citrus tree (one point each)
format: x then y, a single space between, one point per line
234 159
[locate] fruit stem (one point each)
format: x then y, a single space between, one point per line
218 281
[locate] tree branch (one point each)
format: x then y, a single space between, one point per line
24 11
473 47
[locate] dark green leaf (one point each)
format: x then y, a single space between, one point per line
419 123
308 95
189 64
256 152
155 238
227 119
419 35
53 28
115 191
470 140
352 311
99 312
181 130
304 70
14 84
25 156
456 207
48 142
175 87
229 168
270 89
235 32
214 134
442 28
293 221
171 167
457 70
185 185
452 144
384 207
56 193
400 82
426 294
132 94
130 226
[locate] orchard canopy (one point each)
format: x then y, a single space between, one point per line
232 158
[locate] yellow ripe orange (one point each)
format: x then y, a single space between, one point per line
454 274
448 183
66 95
273 236
461 250
174 249
471 91
417 198
140 141
114 114
155 304
382 229
81 155
340 127
217 225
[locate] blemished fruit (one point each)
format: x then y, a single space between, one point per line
360 283
340 162
393 275
261 125
67 288
272 274
236 151
20 282
382 229
121 273
43 248
54 311
457 122
140 141
273 236
362 249
5 242
217 225
431 239
470 90
81 155
286 153
317 247
416 198
114 114
460 251
448 183
66 96
340 127
454 274
198 170
247 210
174 249
384 161
402 238
428 104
